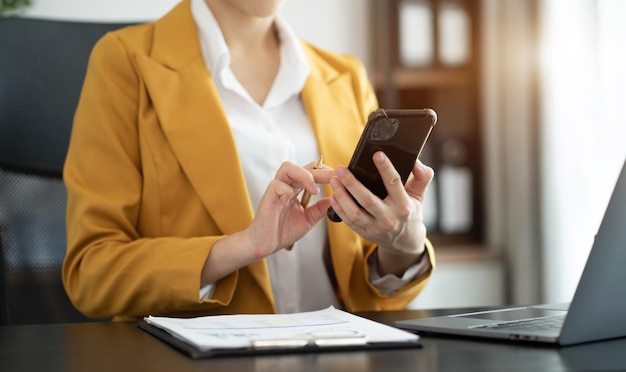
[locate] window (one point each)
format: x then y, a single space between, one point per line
583 79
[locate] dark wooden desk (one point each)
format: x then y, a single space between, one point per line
120 347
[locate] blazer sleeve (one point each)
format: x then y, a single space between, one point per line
110 268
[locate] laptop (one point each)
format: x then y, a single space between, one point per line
597 310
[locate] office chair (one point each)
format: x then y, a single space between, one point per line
42 66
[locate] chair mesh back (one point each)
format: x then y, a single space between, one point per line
42 67
33 241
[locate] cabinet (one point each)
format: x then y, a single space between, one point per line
426 54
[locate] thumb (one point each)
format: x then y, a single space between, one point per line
418 184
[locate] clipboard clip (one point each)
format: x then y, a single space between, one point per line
315 339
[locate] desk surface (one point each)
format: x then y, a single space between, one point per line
123 347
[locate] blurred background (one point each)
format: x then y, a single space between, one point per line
531 136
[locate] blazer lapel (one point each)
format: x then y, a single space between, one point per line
187 103
197 129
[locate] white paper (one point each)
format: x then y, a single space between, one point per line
241 331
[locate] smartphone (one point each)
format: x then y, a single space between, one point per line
401 135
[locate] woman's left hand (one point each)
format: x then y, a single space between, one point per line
396 223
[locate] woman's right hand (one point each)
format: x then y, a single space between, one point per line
280 220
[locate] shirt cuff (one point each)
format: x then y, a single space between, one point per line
206 292
390 283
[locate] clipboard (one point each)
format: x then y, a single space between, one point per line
195 353
328 330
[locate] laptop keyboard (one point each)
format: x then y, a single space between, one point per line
541 324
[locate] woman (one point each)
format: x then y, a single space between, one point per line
183 175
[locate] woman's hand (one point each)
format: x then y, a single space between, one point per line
280 219
396 223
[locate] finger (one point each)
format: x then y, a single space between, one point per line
322 175
390 176
292 174
317 211
349 184
338 192
297 177
342 201
417 185
311 165
281 191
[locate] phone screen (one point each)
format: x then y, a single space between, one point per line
401 135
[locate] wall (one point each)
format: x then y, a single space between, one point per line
337 25
465 283
100 11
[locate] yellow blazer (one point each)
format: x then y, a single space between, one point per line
154 179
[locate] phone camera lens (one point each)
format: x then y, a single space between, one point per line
384 129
